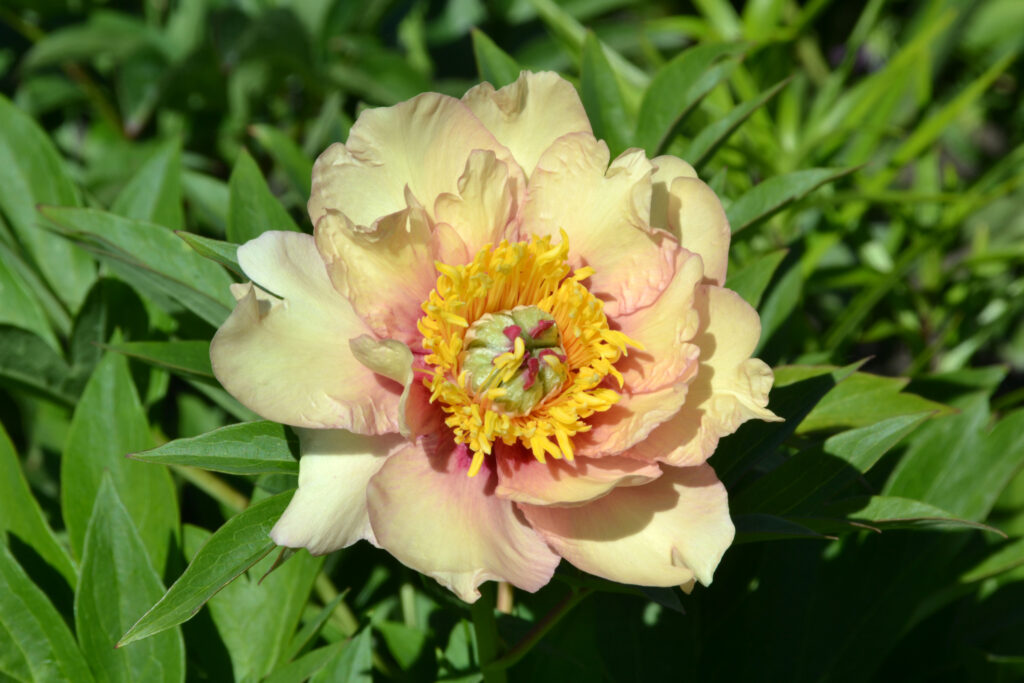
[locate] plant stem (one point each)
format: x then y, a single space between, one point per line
538 631
486 626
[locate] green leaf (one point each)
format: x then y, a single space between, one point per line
493 64
1008 556
890 512
181 357
256 613
776 193
111 34
602 98
253 208
817 472
31 173
404 642
236 546
289 157
153 194
29 362
153 260
751 281
864 399
21 516
704 145
674 91
307 665
758 527
247 448
354 664
109 423
310 630
208 197
35 643
117 584
21 308
224 253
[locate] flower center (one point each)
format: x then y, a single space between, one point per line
518 349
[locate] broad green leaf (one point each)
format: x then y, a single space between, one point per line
310 630
751 281
256 613
757 527
354 664
180 357
247 448
818 472
493 64
288 156
208 197
32 173
151 258
223 399
792 399
864 399
109 423
783 298
404 643
153 194
776 193
35 643
239 544
674 91
224 253
21 516
15 260
307 665
704 145
602 98
21 308
253 208
117 584
1008 556
113 35
958 464
890 512
27 361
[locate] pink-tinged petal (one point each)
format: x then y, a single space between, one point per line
484 208
695 216
288 358
665 329
729 389
422 143
664 533
605 212
629 421
432 517
328 511
666 170
528 115
385 270
523 479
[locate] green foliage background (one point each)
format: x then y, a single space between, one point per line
871 160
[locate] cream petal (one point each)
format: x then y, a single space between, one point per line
386 270
605 212
288 358
729 389
694 215
528 115
523 479
422 143
664 533
328 511
432 517
665 329
484 209
666 169
629 421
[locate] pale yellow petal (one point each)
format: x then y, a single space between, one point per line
288 358
528 115
695 216
666 169
664 533
432 517
328 511
629 421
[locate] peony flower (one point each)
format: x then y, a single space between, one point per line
500 350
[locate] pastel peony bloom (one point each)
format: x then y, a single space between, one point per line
500 350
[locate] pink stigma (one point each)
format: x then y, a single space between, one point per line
532 368
541 327
513 331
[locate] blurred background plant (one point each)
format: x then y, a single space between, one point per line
870 156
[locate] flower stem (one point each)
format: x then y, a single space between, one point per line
486 626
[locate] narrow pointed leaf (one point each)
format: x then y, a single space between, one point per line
602 97
253 208
753 279
224 253
247 448
494 65
153 194
776 193
182 357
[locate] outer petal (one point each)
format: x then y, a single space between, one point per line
665 329
328 511
629 421
666 169
289 360
422 143
730 387
431 516
605 211
661 534
695 216
523 479
528 115
386 270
